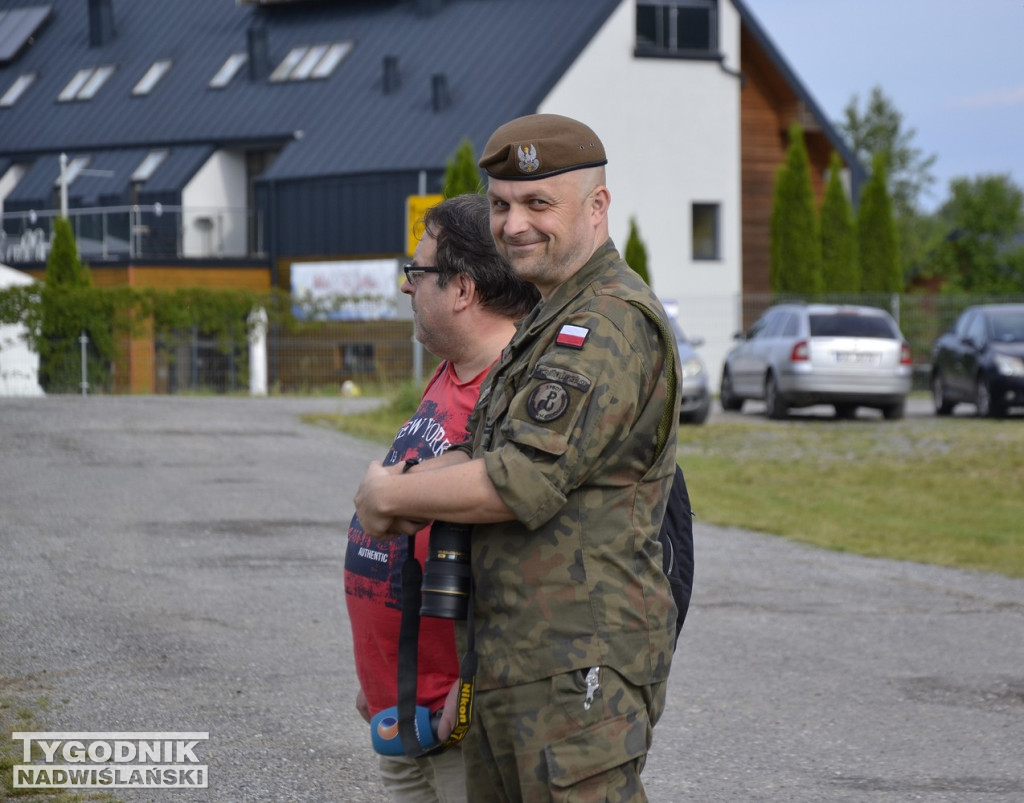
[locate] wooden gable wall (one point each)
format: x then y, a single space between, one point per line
768 104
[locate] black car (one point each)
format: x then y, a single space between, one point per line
981 361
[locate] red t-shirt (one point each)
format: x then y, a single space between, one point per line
373 568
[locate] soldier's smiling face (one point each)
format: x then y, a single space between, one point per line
548 228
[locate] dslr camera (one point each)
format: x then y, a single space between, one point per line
447 572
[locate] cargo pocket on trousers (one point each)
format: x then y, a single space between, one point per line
594 750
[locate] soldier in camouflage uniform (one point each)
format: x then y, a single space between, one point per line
565 482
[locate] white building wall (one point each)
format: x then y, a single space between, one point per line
214 208
19 365
671 128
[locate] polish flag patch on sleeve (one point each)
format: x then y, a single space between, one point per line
572 336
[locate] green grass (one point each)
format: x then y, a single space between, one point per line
946 491
19 713
930 490
379 424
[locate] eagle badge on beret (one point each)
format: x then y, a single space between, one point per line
527 158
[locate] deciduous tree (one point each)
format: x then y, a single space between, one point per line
984 251
880 128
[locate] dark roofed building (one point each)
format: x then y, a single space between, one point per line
203 133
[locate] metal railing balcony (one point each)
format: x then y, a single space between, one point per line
140 231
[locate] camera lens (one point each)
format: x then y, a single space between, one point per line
447 573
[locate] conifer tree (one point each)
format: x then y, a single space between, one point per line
60 367
64 268
876 234
795 242
636 252
461 174
840 268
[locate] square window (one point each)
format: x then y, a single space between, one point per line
704 231
677 27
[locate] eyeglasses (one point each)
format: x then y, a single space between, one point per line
412 271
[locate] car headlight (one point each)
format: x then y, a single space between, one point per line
693 368
1008 366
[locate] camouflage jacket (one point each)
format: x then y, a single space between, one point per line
566 425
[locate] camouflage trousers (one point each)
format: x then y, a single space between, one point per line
542 741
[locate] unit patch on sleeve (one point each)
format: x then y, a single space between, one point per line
547 402
572 336
554 374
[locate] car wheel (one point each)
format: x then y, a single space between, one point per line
894 412
774 405
846 411
726 397
988 407
943 406
982 398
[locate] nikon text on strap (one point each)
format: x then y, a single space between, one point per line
408 674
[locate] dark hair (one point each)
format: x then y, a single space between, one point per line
461 226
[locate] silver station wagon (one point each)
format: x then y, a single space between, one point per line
798 355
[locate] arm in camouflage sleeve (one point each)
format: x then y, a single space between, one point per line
388 503
586 416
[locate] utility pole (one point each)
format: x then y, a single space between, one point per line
64 185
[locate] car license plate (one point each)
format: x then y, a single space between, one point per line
857 358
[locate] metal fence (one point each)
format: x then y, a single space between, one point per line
321 357
316 358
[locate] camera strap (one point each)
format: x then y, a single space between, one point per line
408 660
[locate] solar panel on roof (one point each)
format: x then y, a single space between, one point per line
17 26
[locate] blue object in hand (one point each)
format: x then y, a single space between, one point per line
385 736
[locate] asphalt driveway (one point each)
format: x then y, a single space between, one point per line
175 564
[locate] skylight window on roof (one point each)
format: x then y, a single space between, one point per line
97 80
284 69
228 70
86 83
75 84
17 89
332 58
149 165
306 64
17 27
310 61
153 74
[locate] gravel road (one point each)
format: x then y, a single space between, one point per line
175 564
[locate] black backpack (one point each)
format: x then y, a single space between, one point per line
676 538
676 534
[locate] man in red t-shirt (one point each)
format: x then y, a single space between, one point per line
465 301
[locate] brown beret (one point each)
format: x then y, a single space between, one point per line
541 145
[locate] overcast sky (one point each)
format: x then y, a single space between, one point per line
953 69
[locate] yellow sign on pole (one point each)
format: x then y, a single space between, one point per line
416 207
